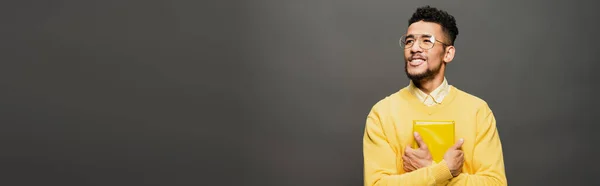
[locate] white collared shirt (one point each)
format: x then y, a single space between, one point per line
435 97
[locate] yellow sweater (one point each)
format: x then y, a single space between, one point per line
388 131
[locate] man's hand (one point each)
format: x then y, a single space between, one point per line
416 158
454 158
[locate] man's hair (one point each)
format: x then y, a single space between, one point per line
434 15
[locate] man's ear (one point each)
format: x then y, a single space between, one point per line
449 55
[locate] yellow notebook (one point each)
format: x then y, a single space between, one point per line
437 134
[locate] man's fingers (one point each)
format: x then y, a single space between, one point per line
407 165
412 154
457 145
420 141
416 153
405 160
409 152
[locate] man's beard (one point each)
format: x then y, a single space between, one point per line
427 75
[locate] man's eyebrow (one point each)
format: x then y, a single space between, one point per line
422 35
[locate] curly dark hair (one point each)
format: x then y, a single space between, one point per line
434 15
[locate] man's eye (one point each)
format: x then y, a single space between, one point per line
427 40
409 41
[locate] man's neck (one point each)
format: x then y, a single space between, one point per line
428 85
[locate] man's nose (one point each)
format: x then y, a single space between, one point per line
415 47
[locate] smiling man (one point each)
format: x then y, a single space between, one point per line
476 157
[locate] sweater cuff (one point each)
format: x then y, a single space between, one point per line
440 172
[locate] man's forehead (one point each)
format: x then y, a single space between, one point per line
419 35
422 27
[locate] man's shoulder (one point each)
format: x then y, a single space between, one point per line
470 99
389 100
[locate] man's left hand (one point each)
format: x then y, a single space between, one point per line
416 158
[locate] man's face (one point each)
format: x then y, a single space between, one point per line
424 63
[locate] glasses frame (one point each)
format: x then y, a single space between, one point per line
402 40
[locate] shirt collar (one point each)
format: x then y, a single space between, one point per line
435 97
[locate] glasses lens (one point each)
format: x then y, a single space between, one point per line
426 41
402 42
406 42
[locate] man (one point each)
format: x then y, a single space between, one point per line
476 157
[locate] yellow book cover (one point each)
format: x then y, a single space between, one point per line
437 134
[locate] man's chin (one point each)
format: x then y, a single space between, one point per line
418 76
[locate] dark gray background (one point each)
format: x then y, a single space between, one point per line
123 92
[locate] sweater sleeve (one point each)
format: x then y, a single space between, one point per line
380 161
488 161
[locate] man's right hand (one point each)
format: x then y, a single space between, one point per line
454 158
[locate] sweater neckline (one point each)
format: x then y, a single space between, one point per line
414 100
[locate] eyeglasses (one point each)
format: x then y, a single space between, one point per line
426 41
